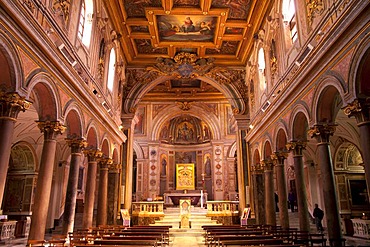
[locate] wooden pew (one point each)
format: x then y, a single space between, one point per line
251 242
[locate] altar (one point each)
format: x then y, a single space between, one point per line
173 198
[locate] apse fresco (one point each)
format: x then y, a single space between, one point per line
186 27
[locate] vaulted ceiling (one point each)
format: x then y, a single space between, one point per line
219 29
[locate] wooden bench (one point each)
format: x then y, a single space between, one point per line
252 242
211 234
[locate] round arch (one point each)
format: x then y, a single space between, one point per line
45 96
174 111
11 76
74 119
299 122
228 90
92 135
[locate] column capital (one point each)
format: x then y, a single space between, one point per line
278 157
51 128
105 163
127 120
322 132
267 165
93 154
296 146
257 168
11 103
360 109
76 144
113 167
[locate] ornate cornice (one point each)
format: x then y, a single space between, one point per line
314 8
62 6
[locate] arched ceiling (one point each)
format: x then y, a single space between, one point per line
220 29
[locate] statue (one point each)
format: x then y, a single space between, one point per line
207 166
164 167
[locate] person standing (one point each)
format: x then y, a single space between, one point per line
291 199
318 214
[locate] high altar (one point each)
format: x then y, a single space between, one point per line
185 187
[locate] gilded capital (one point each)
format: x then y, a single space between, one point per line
257 168
76 144
93 154
11 104
51 128
279 157
296 147
322 132
105 163
360 109
267 165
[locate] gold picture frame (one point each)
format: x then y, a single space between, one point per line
185 177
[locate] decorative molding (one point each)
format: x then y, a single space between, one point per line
314 7
62 6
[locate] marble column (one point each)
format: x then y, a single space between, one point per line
10 106
297 148
360 108
76 145
93 156
278 159
322 132
113 193
258 194
102 213
44 179
269 192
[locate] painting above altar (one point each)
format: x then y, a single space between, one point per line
185 177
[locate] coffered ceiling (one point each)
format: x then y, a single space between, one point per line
219 29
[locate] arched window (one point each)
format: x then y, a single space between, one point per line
85 23
261 68
111 69
290 20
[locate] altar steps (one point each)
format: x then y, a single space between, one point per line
198 218
186 236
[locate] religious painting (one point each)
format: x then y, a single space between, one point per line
186 27
185 132
139 126
185 179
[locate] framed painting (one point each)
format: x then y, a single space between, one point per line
185 176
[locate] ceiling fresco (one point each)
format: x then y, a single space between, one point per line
221 29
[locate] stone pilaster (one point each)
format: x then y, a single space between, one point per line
127 158
322 133
44 180
93 156
76 145
10 106
278 159
297 148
